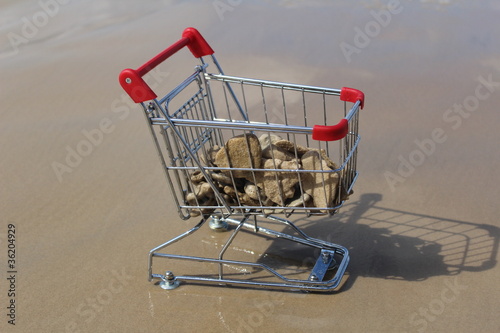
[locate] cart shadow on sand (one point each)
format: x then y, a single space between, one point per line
393 244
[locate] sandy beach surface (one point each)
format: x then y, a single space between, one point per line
83 198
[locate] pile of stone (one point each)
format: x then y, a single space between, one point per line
268 187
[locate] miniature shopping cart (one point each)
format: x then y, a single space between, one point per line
247 156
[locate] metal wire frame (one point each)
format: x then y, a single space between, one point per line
186 133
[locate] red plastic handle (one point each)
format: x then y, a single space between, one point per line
339 131
331 133
131 79
352 95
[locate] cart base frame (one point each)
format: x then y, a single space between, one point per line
332 257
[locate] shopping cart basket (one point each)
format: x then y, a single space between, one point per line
242 154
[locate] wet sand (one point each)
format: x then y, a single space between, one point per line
85 193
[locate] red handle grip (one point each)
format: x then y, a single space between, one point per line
352 95
131 79
331 133
339 131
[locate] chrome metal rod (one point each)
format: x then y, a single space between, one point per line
233 262
299 285
307 240
231 91
289 283
224 261
272 84
353 111
228 242
194 158
236 125
173 240
182 86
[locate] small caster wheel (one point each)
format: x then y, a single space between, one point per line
333 263
218 224
169 281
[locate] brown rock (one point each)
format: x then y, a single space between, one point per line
253 191
272 164
290 165
221 178
204 190
278 186
321 186
197 177
203 195
303 200
210 202
246 200
191 199
242 151
194 212
273 151
291 147
273 211
212 151
208 157
242 198
332 165
229 190
268 139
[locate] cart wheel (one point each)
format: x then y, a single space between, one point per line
168 281
216 223
335 262
333 265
